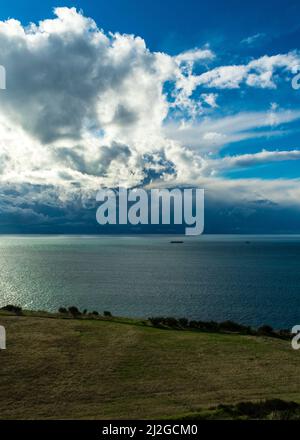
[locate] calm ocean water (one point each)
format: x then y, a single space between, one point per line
252 280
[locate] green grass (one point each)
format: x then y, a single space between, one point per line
122 368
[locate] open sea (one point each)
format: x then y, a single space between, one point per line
249 279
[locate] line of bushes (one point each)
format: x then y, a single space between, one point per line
12 309
76 313
213 326
272 409
174 323
262 409
70 311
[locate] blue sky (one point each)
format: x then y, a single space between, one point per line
175 93
175 26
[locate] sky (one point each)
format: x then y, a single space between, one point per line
149 94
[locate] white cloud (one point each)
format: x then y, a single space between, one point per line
194 55
248 160
83 108
210 99
257 73
211 134
253 39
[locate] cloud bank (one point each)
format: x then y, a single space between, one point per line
84 109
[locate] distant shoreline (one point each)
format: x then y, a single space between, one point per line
164 323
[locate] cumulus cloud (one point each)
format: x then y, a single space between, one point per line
257 73
85 108
66 77
189 57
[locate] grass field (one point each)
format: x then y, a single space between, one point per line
95 369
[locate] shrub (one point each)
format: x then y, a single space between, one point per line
84 312
95 313
261 410
207 326
214 326
265 330
107 313
170 321
183 322
14 309
232 326
156 321
210 326
62 310
74 311
285 333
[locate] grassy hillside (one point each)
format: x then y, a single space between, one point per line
93 368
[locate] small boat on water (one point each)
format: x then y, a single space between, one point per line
176 241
